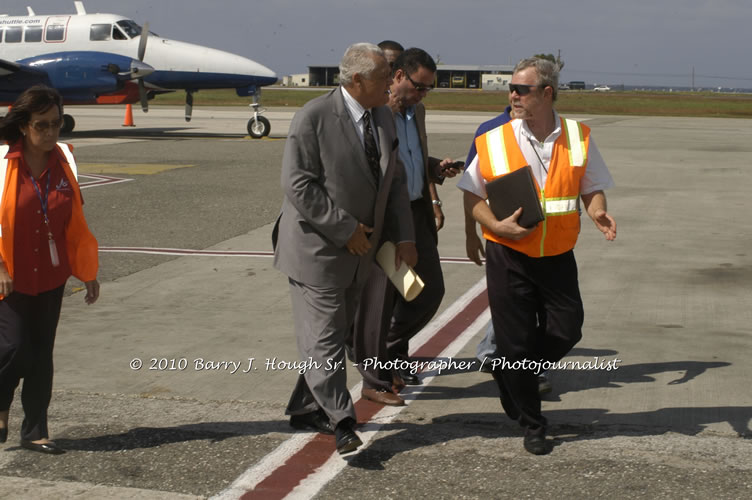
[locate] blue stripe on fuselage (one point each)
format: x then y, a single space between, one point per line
194 80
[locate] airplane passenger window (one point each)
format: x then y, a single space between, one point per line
117 34
99 32
33 34
130 27
55 33
13 34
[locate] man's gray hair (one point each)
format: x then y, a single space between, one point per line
548 72
358 59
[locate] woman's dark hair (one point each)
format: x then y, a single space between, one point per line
36 99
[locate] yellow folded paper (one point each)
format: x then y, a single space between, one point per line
404 279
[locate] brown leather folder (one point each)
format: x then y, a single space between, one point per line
512 191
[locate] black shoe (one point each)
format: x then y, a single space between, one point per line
409 378
544 386
346 439
49 448
315 420
485 365
3 434
535 442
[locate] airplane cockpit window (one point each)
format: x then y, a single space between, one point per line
55 33
130 27
100 32
13 34
33 34
117 33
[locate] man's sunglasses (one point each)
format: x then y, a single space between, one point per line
419 88
522 89
44 126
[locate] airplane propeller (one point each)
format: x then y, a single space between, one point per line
141 52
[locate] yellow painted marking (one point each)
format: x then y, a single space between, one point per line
127 168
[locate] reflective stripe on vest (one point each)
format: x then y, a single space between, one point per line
498 152
575 143
561 206
69 158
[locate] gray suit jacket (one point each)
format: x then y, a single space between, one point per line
329 189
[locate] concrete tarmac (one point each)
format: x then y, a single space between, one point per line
148 406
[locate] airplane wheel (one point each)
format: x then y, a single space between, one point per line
68 124
258 128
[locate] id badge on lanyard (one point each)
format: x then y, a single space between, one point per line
54 259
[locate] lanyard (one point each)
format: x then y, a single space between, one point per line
44 202
54 259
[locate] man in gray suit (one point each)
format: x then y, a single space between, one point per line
344 190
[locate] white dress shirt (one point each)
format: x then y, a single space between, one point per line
356 112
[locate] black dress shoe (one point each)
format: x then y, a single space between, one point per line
49 448
346 439
3 434
315 420
409 378
535 443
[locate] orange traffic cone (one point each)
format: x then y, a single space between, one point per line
128 116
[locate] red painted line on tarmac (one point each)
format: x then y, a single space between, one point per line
315 453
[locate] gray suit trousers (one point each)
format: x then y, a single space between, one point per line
323 316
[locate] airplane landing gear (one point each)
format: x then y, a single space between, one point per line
68 124
258 126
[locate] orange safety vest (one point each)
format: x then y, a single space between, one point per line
83 250
499 154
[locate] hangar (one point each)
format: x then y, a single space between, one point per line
487 77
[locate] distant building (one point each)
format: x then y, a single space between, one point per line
447 76
299 80
495 81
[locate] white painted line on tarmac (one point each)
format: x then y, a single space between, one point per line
100 180
188 252
314 482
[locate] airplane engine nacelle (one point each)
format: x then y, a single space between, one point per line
98 72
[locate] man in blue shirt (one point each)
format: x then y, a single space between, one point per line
385 321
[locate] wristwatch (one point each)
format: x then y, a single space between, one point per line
436 202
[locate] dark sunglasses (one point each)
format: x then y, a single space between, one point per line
522 89
44 126
419 88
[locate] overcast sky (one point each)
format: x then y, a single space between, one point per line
635 42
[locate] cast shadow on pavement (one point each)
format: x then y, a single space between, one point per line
152 437
564 426
165 133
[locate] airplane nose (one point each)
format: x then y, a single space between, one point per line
266 72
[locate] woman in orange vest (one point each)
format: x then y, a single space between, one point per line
43 240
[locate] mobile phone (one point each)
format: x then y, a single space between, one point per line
459 165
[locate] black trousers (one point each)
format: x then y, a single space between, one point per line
385 322
408 318
27 336
537 314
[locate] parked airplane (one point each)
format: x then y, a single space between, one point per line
109 59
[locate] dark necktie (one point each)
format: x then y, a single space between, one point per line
372 152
